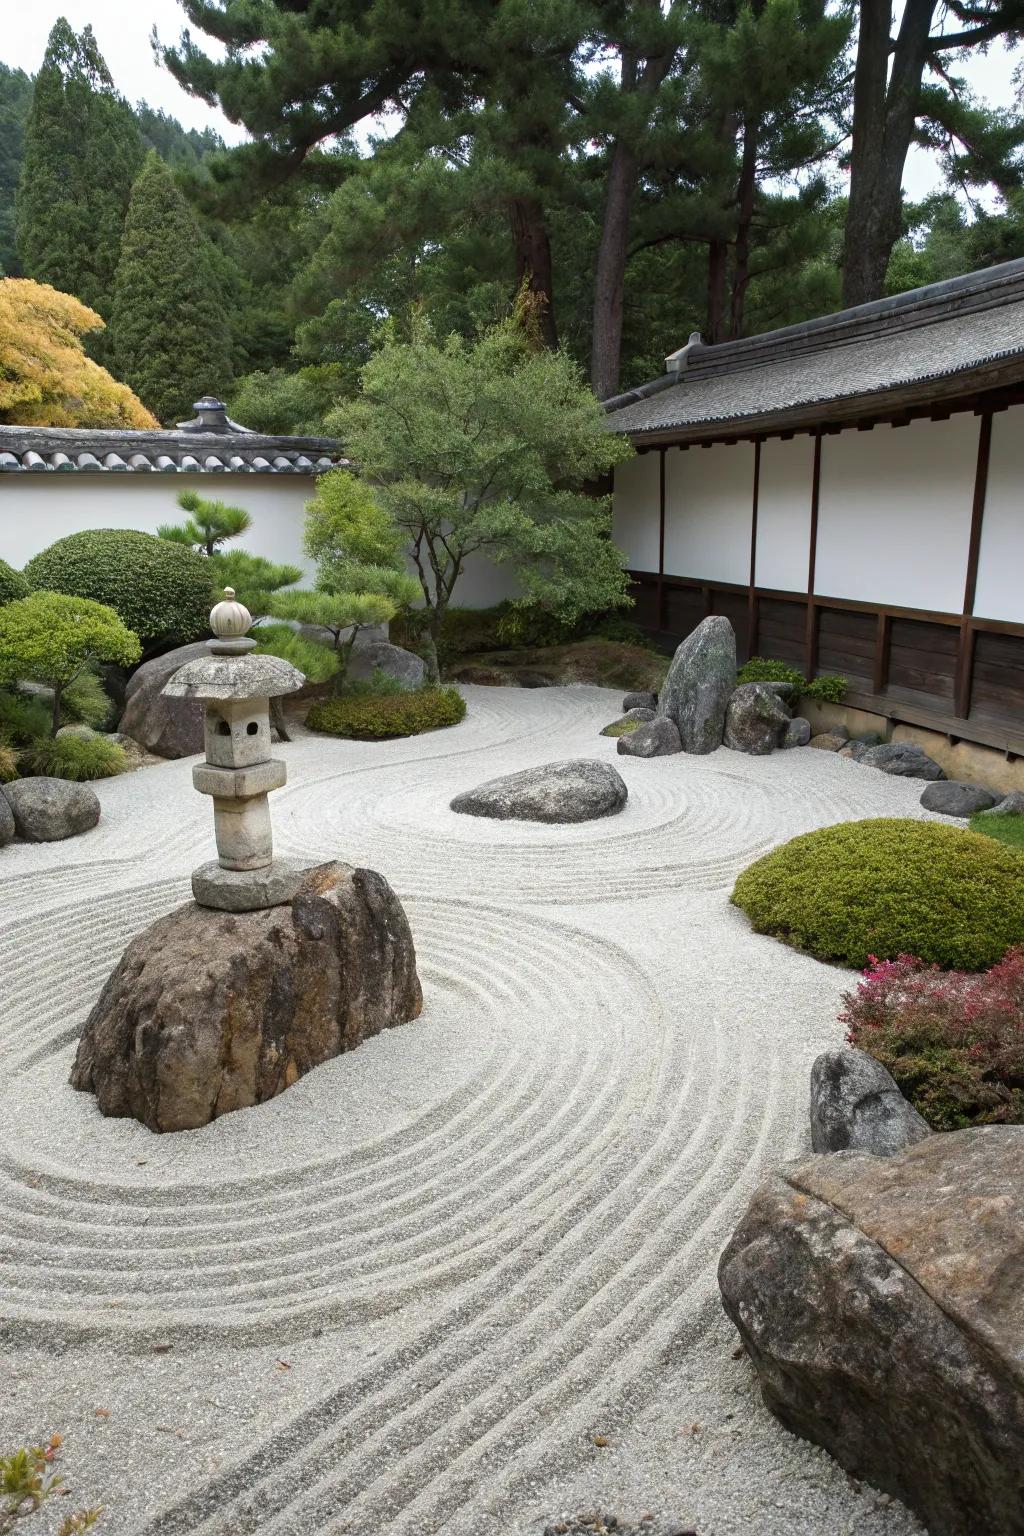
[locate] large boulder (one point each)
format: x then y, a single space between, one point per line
701 678
903 759
403 667
857 1107
656 738
580 790
951 798
50 810
6 821
167 726
880 1301
756 719
208 1012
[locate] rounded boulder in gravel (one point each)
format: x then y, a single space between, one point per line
580 790
904 759
49 810
951 798
658 738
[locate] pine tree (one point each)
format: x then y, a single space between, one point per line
15 102
82 152
171 336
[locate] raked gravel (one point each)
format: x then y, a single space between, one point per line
463 1279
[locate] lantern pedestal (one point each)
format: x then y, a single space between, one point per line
247 890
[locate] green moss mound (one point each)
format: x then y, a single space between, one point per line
159 589
13 585
887 888
1005 829
623 727
380 717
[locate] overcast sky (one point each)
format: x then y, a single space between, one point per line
123 29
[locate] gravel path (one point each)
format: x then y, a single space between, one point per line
462 1280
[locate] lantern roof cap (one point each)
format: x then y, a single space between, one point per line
234 677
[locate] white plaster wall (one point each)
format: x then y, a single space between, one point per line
37 509
636 510
1000 590
894 516
709 494
784 513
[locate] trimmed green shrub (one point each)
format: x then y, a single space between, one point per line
74 757
829 687
160 590
379 717
762 669
12 584
886 888
1005 829
953 1041
85 702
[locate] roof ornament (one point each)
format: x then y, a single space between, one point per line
676 361
211 416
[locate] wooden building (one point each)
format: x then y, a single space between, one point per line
849 492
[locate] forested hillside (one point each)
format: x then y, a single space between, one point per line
644 169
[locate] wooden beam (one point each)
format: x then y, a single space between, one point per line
661 539
965 650
811 636
752 593
883 646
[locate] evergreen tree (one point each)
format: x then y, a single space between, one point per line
171 336
82 152
15 103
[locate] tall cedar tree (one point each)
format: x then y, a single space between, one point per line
172 339
15 103
82 153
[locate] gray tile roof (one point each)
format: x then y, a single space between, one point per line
212 444
948 338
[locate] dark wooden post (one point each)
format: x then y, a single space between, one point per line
811 634
661 538
883 641
965 647
752 614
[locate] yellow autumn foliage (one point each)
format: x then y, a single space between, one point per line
46 380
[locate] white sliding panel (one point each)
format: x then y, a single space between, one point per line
784 513
1000 589
709 498
636 510
894 518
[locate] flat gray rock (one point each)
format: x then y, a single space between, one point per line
1010 805
49 810
639 701
656 738
700 682
797 733
857 1107
6 821
879 1299
579 790
756 718
902 759
951 798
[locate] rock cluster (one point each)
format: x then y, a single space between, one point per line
879 1300
209 1012
578 790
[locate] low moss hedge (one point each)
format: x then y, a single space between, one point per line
887 888
380 717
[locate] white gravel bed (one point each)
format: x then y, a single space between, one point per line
412 1294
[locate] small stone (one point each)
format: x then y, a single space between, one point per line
869 739
578 790
797 733
658 738
639 701
856 1106
49 810
601 1440
902 759
1011 805
951 798
828 741
755 719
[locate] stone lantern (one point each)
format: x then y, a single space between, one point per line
239 771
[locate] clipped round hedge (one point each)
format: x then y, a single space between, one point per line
888 888
160 589
382 716
13 585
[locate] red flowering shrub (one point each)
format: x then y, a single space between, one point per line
953 1040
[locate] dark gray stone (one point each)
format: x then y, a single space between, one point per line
169 727
6 821
209 1012
951 798
797 732
580 790
857 1107
699 685
639 701
756 719
371 656
879 1301
902 759
1010 805
658 738
868 739
50 810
